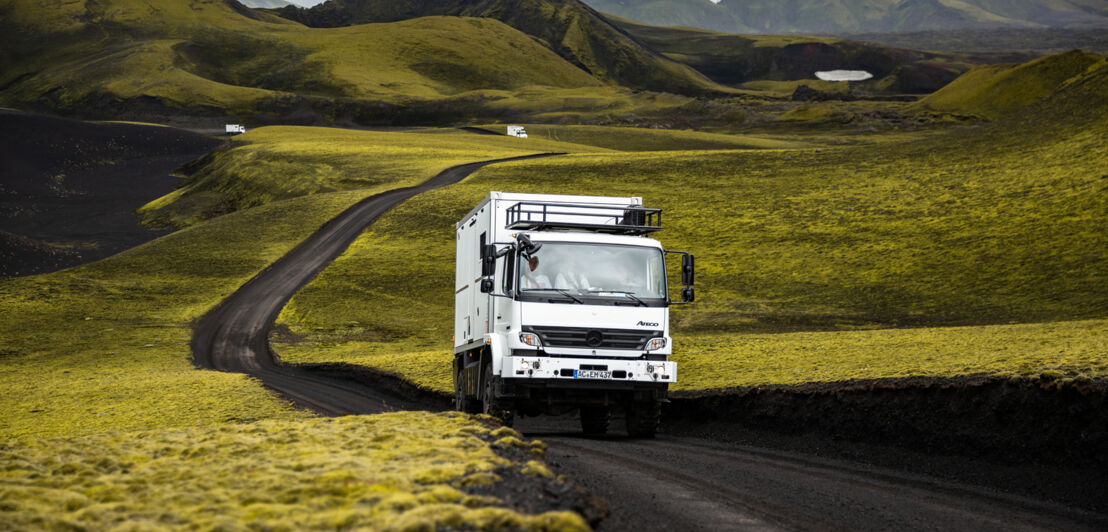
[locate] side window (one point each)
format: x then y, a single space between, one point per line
481 248
509 271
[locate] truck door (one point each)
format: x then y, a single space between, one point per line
502 307
463 289
481 323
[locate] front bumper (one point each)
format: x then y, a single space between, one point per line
593 370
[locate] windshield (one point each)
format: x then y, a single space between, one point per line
595 269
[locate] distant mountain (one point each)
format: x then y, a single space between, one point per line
852 16
568 27
270 4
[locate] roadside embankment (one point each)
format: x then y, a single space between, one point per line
1044 420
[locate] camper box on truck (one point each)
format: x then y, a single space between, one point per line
562 305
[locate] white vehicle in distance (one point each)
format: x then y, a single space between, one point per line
517 131
562 305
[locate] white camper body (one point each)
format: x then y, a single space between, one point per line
235 129
561 303
517 131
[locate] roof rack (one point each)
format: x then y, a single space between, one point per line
614 219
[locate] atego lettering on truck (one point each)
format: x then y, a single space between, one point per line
562 304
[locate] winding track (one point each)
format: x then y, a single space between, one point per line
234 336
671 483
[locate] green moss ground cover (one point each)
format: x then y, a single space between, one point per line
785 89
399 471
1053 350
976 228
275 163
105 346
642 139
106 422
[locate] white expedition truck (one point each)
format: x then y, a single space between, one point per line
561 304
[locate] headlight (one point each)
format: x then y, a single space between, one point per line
530 339
655 344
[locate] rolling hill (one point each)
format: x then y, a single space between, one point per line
995 91
266 4
849 16
568 27
733 59
140 57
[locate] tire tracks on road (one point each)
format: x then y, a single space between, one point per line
652 484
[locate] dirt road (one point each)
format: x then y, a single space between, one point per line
670 483
693 483
234 335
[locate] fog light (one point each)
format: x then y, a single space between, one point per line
530 339
655 344
523 364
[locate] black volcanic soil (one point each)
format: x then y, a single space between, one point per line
69 189
1061 422
1041 438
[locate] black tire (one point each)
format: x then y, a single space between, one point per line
595 419
490 404
461 402
643 419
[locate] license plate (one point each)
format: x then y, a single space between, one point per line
591 374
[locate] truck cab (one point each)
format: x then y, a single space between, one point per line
561 305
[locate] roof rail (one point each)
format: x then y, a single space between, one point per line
614 219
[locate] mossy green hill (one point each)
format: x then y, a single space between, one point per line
733 59
852 16
568 27
995 91
120 57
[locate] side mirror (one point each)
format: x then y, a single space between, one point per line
688 272
488 260
486 285
526 246
687 294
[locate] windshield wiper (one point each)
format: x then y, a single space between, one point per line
621 292
559 290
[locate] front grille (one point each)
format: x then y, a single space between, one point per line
593 338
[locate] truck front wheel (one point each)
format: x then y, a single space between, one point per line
492 405
643 419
